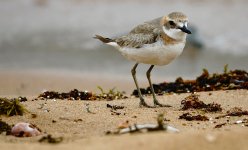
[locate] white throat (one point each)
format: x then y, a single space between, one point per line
176 34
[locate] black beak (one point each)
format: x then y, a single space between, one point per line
184 29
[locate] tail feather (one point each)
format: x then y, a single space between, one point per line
103 39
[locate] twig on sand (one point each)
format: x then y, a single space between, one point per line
147 127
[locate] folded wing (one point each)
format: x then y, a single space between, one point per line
146 33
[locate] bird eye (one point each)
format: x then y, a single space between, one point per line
172 23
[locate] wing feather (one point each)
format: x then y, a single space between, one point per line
146 33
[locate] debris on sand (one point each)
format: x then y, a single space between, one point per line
78 120
5 128
213 107
190 117
87 106
84 95
244 122
49 139
72 95
33 116
228 80
124 125
22 99
114 112
115 107
11 107
192 102
236 111
141 128
150 127
136 128
220 125
112 94
23 129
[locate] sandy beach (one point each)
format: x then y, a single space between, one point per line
48 46
83 130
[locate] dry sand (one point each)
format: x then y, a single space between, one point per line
89 133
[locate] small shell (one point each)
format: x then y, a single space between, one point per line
23 129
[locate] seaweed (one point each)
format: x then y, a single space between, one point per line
213 107
192 102
84 95
236 111
190 117
11 107
72 95
228 80
220 125
5 128
112 94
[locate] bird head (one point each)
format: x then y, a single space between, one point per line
175 25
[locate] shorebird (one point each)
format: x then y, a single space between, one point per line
155 42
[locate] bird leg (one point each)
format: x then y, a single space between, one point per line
142 101
155 101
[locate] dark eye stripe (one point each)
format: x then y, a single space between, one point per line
172 23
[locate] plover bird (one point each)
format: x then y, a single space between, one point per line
155 42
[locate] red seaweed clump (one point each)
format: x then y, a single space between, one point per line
193 102
228 80
236 111
190 117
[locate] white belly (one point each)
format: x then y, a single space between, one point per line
155 54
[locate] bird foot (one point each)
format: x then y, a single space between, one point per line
156 103
144 104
